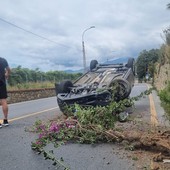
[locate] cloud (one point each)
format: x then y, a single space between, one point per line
122 29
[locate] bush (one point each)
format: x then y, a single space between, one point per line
165 98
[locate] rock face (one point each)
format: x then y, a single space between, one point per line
162 75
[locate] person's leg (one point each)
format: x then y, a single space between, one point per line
4 108
0 123
3 98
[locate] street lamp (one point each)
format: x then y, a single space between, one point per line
83 47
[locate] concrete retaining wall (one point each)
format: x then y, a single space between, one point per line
16 96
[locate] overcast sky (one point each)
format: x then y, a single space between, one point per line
123 28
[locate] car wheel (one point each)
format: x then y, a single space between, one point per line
131 64
63 108
121 89
93 64
64 87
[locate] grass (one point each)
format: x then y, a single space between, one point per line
32 85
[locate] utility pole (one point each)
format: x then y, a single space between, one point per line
83 48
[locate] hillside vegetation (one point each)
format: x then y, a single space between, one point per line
162 73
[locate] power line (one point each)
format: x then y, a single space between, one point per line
33 33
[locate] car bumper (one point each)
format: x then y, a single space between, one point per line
100 99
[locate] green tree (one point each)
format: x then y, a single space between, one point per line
145 63
21 75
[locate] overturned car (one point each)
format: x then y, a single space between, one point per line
99 86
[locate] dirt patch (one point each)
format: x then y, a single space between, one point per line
148 146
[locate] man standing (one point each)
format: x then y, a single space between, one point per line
4 74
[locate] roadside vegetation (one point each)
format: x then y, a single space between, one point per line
24 78
145 64
165 98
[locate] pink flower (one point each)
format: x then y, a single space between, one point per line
38 143
70 124
41 135
54 127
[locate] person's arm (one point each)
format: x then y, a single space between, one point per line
7 72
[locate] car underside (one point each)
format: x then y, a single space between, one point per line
99 86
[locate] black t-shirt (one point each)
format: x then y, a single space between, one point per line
3 66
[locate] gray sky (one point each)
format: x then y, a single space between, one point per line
122 29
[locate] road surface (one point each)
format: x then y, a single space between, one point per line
15 141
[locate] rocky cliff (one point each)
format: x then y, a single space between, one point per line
162 73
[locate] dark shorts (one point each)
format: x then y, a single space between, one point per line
3 90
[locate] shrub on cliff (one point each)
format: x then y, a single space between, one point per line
165 98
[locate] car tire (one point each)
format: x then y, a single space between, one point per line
64 87
93 64
131 64
63 109
122 90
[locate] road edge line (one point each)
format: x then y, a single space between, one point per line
154 118
32 114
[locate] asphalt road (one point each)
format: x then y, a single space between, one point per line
15 142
